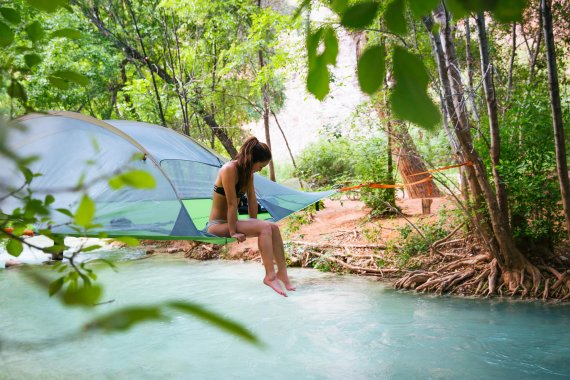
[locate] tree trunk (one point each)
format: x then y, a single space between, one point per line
557 122
512 61
512 262
489 88
146 60
469 60
265 112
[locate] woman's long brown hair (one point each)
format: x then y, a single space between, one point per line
251 152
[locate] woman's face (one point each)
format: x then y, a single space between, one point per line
259 165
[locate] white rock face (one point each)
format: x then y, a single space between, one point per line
303 115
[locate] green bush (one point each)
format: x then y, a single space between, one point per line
337 161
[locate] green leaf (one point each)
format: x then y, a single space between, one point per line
360 15
85 212
214 319
49 199
318 81
421 8
139 179
55 286
6 35
372 69
128 240
65 212
72 34
15 90
394 17
58 82
90 248
509 10
124 319
409 98
331 46
48 5
72 76
32 59
87 295
35 31
11 15
339 6
14 247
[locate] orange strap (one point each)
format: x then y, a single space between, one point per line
26 232
468 163
401 185
385 186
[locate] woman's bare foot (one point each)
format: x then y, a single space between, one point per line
285 280
275 285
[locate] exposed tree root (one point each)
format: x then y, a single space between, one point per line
460 267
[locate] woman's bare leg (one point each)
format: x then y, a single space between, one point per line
263 231
279 251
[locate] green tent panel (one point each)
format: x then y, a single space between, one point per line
72 147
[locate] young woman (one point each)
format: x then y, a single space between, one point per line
235 178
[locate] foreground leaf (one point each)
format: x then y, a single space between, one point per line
360 15
409 98
215 319
85 212
126 318
394 17
372 69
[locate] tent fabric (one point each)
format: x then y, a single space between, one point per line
73 148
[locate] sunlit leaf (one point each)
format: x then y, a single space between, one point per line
331 46
215 319
58 82
90 248
371 69
139 179
55 286
318 81
11 15
35 31
48 5
409 98
421 8
128 240
14 247
126 318
85 212
72 76
70 33
32 59
394 17
360 15
6 35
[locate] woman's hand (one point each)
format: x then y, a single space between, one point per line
239 237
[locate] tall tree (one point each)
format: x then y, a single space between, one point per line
488 70
557 122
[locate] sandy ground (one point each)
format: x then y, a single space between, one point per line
346 222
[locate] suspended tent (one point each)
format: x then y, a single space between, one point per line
70 146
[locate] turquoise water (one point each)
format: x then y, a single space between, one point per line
333 327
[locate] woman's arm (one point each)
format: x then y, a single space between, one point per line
229 179
251 200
